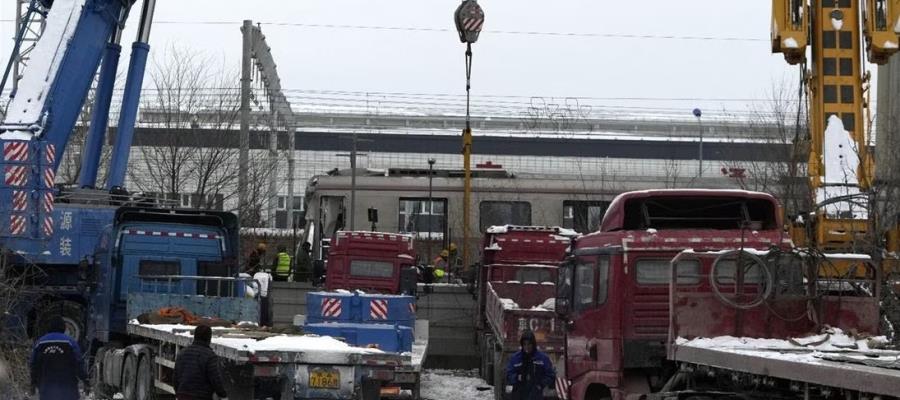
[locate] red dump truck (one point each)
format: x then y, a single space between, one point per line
516 291
371 261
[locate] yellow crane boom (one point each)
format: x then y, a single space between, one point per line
838 33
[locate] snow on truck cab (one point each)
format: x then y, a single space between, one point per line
691 263
372 261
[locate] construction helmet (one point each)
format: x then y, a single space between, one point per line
445 253
261 246
452 246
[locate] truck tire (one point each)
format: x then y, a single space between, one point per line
72 314
129 377
145 388
101 390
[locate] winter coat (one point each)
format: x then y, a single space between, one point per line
56 366
197 374
529 374
302 267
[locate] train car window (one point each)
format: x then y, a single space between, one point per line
493 213
417 215
370 268
656 271
583 216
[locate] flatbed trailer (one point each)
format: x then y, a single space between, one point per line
804 371
262 364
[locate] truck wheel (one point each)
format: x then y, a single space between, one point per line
101 390
129 376
72 315
146 390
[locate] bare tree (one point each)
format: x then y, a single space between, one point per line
16 349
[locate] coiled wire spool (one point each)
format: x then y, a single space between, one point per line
767 282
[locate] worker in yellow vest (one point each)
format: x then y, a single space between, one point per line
441 265
281 265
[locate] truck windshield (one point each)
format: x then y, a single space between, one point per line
371 268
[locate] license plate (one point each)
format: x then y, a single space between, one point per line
323 378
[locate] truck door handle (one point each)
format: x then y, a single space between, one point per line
593 351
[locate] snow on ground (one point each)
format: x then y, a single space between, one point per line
441 384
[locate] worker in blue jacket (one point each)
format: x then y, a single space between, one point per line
529 371
57 365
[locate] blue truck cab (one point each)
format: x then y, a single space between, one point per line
148 252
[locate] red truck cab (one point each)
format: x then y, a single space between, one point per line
370 261
614 290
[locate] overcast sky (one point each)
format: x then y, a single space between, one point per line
431 60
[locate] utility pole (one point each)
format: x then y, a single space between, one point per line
431 162
272 163
354 153
698 114
256 48
244 152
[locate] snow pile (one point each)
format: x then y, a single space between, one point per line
840 161
549 304
509 304
790 43
494 246
890 45
837 24
810 349
440 384
295 343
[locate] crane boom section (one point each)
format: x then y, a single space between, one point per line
61 70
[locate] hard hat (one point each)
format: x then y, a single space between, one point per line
438 273
445 253
261 246
452 246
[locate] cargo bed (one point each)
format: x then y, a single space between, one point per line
844 369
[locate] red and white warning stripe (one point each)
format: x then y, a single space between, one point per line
15 151
19 200
48 226
331 307
50 154
562 388
16 175
49 177
48 202
170 234
16 224
473 23
378 309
